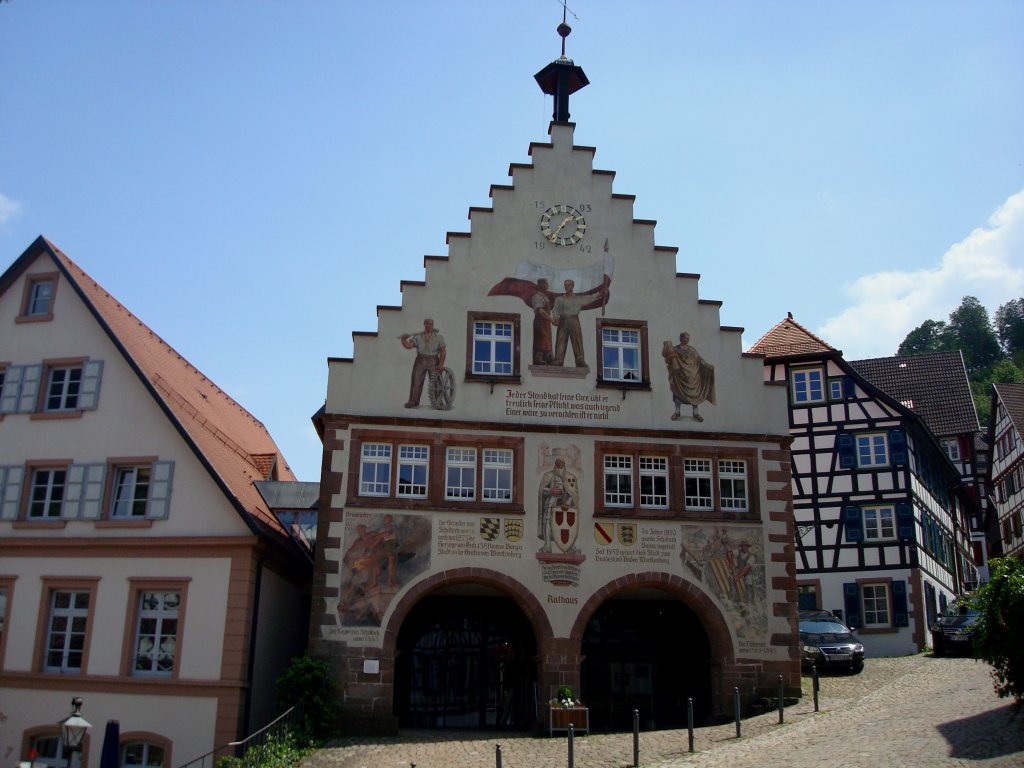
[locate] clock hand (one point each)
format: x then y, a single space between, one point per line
564 222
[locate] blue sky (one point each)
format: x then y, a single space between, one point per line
253 178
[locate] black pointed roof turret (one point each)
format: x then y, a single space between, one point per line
561 78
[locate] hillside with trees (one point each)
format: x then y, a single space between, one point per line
993 351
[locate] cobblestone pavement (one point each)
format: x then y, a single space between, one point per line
916 711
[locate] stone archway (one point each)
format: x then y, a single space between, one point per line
463 645
651 642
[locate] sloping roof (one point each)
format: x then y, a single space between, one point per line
234 446
1012 398
788 339
934 385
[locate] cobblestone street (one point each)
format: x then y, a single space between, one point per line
911 711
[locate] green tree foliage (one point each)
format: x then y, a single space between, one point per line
1009 322
999 637
971 332
929 336
309 682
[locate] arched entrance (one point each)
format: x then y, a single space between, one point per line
465 659
645 650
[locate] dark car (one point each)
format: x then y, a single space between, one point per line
827 643
954 629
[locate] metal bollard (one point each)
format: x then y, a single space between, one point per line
569 739
689 721
636 738
736 702
814 684
782 703
497 756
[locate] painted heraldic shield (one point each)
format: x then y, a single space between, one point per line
566 522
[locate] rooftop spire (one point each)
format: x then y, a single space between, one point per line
561 77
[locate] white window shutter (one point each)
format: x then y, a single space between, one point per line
92 491
11 388
89 394
28 394
10 491
160 490
70 509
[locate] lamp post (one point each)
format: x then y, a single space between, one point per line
73 729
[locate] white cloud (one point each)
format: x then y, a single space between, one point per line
888 305
9 209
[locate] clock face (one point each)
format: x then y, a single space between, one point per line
562 225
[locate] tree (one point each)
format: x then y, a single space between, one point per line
310 683
971 329
999 633
929 336
1009 322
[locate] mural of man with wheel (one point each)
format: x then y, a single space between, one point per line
430 356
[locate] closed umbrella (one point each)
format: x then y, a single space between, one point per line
110 756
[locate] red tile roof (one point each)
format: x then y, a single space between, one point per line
788 339
234 445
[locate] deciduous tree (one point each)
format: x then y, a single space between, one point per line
971 330
929 336
999 637
1009 322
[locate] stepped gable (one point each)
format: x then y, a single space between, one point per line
1012 398
230 441
934 385
790 339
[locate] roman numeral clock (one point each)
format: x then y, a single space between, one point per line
563 225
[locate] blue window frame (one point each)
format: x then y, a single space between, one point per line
808 385
872 450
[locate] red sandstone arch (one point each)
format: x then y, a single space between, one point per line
719 637
522 597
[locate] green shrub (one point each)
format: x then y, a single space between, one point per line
310 683
279 750
999 635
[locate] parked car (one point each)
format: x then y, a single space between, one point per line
954 629
827 643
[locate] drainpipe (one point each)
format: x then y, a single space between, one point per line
253 624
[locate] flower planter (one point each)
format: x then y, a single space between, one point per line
560 718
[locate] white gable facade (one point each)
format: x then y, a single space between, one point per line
591 490
127 575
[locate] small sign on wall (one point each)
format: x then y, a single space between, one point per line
371 666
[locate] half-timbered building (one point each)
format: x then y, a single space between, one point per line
1006 436
934 385
881 534
582 481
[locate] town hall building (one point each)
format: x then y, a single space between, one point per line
553 466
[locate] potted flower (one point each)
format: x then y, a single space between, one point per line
565 698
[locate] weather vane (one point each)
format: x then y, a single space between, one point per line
564 29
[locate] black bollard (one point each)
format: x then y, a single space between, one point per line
689 721
569 739
782 703
497 756
636 738
736 702
814 679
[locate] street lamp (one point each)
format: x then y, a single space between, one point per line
73 729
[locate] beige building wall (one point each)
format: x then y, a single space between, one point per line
543 412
